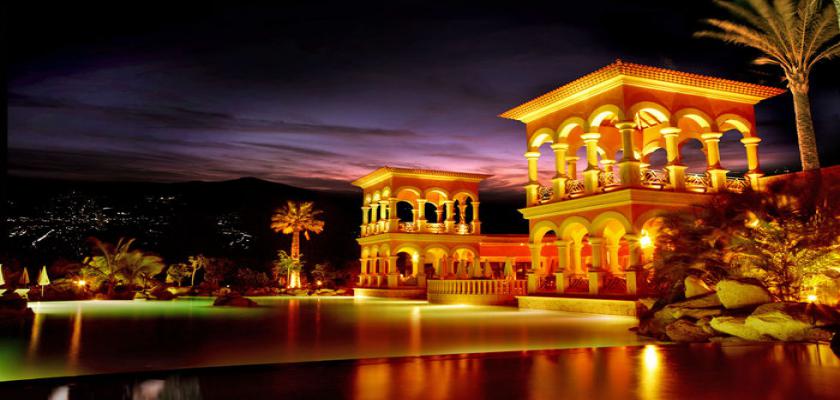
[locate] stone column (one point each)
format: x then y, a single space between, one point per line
462 211
716 173
753 173
380 271
393 273
373 215
577 257
532 188
476 223
363 261
676 171
536 257
365 220
450 216
559 180
633 266
572 170
384 218
590 175
421 272
421 215
562 265
629 167
596 273
612 254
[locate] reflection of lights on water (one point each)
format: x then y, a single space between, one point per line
649 373
651 358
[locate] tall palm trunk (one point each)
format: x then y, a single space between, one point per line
808 153
295 256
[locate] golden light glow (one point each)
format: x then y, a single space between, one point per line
319 283
81 283
645 241
812 298
415 258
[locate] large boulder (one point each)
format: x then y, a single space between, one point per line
735 326
790 321
706 301
696 313
234 300
683 330
737 294
695 286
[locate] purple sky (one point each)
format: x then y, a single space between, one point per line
317 96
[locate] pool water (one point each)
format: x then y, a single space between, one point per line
88 337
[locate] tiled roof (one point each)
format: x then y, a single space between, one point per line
630 70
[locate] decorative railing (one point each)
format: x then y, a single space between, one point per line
654 177
578 283
435 227
408 227
608 178
697 181
615 284
545 194
478 286
574 186
463 229
737 185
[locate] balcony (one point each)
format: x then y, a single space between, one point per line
413 227
657 179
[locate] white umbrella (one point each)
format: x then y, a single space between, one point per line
476 269
24 277
509 273
488 270
43 279
2 281
462 268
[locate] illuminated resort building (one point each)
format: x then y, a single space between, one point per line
590 227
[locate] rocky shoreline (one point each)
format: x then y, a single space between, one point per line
735 311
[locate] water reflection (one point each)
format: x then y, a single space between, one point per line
68 338
775 371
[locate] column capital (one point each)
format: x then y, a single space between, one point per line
590 136
750 140
595 240
475 203
365 208
532 154
421 201
710 136
670 131
559 146
562 243
572 159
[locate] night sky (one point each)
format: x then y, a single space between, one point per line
317 94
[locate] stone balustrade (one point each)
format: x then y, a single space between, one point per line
475 291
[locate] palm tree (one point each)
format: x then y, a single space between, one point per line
793 34
112 263
196 263
293 219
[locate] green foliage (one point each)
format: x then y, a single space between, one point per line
196 263
285 264
217 270
111 265
787 237
248 278
177 272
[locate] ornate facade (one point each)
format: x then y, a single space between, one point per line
603 218
590 229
